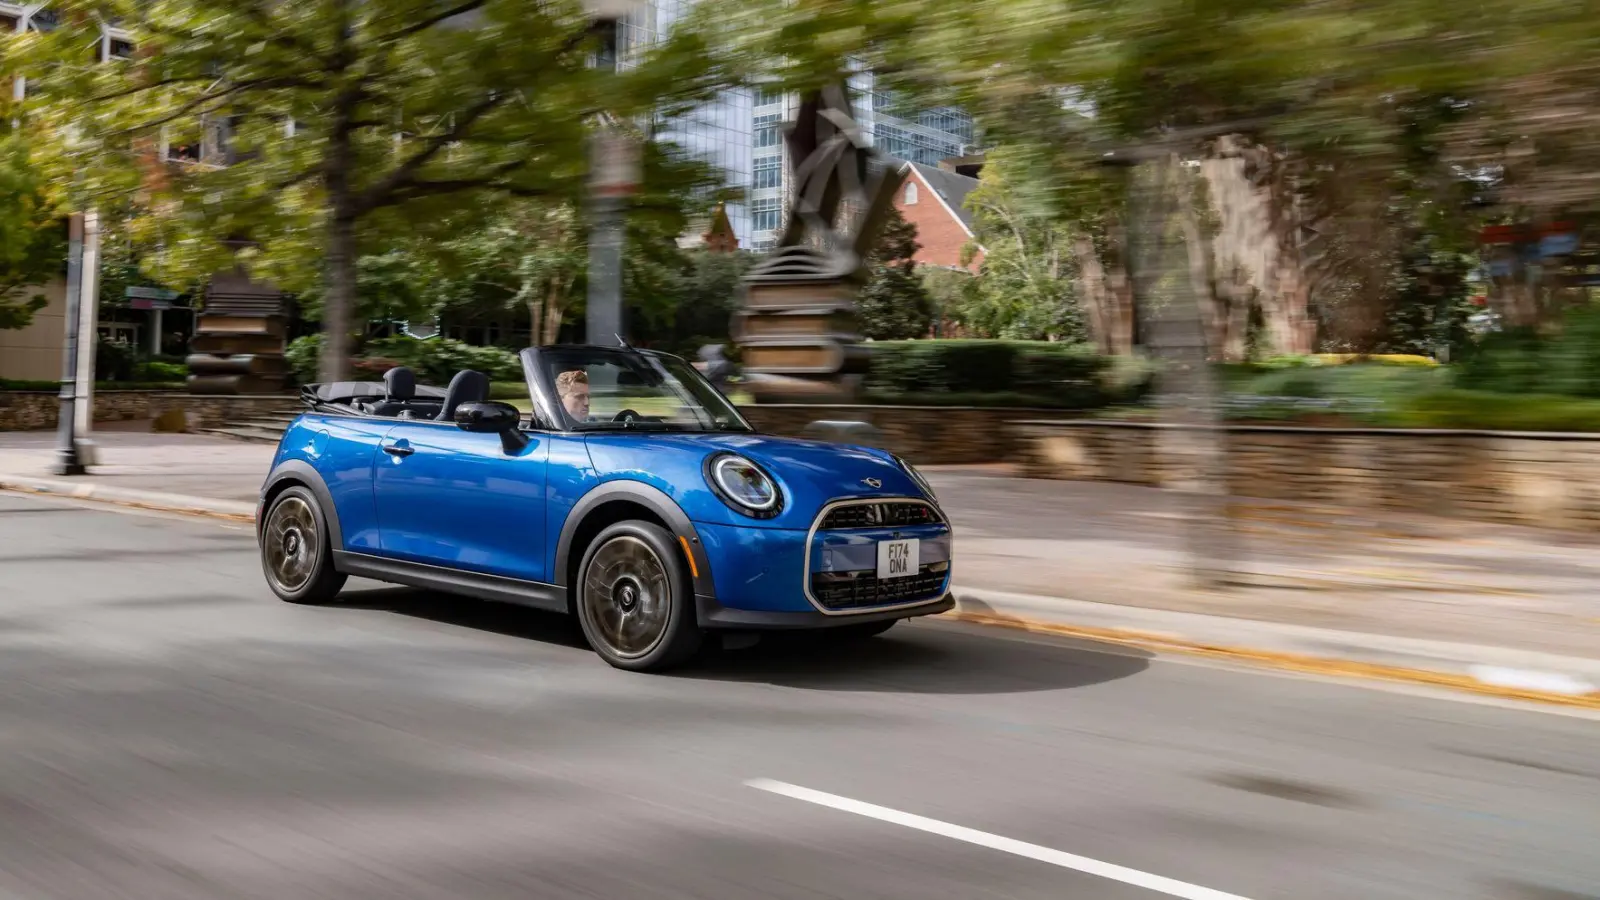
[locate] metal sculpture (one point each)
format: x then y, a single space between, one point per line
798 329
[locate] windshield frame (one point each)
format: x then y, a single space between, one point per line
679 378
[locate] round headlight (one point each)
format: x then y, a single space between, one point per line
743 485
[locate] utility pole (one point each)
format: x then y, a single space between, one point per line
1191 416
614 175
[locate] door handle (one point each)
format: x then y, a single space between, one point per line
398 450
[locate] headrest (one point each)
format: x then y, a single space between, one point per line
400 383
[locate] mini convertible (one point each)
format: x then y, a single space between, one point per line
633 495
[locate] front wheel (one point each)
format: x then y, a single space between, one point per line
296 553
635 602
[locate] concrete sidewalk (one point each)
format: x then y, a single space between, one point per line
1471 600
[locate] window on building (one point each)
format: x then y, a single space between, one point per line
766 136
766 214
911 193
767 172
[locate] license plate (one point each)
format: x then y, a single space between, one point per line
899 559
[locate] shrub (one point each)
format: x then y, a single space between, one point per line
509 391
1490 411
302 355
158 370
436 361
1072 373
1509 361
114 361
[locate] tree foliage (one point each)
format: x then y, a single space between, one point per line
32 236
894 303
325 127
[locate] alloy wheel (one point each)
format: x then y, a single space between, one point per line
627 595
292 544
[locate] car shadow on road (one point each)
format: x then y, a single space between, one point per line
921 659
911 658
448 609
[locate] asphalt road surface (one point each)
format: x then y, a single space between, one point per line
169 730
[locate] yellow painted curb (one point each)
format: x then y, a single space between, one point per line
1311 665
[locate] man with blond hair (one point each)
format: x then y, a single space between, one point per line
573 389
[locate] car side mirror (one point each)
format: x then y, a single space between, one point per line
493 417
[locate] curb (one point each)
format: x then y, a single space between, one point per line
1486 671
231 510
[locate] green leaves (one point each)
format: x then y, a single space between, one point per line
32 236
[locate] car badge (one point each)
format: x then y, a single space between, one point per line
872 482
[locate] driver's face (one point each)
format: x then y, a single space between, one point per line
576 401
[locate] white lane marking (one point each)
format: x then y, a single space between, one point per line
1083 864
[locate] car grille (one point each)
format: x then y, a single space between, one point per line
856 590
887 514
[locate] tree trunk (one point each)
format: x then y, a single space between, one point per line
338 299
553 315
340 296
1095 294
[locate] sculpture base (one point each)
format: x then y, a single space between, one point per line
768 388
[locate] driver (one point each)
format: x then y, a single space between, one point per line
573 389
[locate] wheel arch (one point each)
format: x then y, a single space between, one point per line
299 473
617 501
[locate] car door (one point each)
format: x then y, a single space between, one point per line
344 451
448 497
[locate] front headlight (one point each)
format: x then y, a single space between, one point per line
743 485
918 477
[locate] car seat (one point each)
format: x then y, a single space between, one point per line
400 387
469 386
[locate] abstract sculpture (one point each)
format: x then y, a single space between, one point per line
798 328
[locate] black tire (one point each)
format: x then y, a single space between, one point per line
863 630
635 602
296 553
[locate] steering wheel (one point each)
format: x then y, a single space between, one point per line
626 416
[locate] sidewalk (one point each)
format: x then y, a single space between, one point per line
1092 558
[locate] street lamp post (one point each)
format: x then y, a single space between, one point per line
614 174
68 460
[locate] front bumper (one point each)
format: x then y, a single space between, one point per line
715 616
764 577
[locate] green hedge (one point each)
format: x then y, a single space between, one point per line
1490 411
1524 361
435 361
1031 373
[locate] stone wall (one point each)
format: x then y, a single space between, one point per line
34 410
1548 480
925 435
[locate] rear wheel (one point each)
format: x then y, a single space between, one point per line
635 603
296 554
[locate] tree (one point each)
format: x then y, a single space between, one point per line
339 123
894 305
32 237
1024 287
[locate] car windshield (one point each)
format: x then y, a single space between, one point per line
601 389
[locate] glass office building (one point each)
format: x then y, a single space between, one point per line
743 132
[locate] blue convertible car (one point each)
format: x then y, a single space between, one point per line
634 496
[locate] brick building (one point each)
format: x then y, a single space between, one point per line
932 198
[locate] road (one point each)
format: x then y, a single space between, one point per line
170 730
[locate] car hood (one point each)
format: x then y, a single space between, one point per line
811 473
